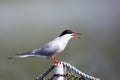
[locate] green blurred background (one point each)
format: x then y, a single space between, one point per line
26 25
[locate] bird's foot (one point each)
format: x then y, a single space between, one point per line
56 62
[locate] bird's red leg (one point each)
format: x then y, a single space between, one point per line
55 60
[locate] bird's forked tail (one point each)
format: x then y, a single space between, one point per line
24 55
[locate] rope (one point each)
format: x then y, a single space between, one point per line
79 72
45 73
69 75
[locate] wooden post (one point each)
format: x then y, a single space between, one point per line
59 71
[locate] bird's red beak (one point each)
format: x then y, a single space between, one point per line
76 35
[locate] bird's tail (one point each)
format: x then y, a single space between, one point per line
24 55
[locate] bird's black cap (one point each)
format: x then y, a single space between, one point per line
66 32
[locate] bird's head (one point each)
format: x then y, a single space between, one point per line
70 33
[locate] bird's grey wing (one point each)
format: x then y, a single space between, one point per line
49 49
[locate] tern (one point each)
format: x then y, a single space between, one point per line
51 49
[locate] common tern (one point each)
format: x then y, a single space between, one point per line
51 49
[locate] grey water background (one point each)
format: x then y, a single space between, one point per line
26 25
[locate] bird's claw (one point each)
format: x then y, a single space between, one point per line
56 62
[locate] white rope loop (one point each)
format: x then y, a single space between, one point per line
79 72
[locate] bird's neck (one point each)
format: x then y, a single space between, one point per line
66 37
64 40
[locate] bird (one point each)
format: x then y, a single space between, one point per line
52 48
